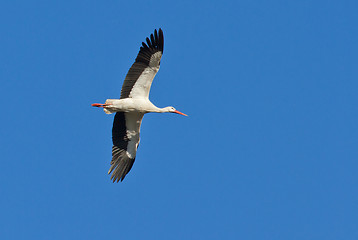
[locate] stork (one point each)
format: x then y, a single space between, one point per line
133 104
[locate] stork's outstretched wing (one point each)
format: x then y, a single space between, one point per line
140 76
125 137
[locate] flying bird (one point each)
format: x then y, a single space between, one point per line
133 104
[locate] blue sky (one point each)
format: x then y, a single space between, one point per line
269 150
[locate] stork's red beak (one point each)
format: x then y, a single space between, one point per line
176 111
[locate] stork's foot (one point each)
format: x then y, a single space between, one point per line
99 105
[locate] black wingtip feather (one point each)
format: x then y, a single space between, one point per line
152 38
149 43
152 44
121 164
144 46
161 40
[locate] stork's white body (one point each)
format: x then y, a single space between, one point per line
133 104
130 105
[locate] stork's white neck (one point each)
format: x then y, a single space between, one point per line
165 109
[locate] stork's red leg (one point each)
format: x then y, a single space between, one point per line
99 105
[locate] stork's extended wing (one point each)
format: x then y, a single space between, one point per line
140 76
125 137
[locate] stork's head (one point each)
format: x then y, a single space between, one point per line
173 110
